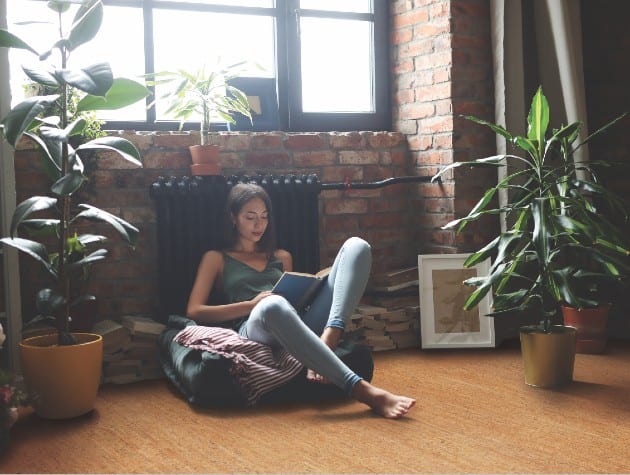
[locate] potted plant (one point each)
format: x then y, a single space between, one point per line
62 370
207 93
557 236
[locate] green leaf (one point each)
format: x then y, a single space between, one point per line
494 162
541 237
9 40
87 239
538 120
495 128
40 227
34 249
48 302
95 79
122 146
41 76
122 93
95 256
21 116
87 22
51 155
28 207
127 231
68 184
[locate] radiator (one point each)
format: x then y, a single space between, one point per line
190 211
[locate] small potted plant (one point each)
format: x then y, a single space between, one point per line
63 369
557 234
11 398
207 93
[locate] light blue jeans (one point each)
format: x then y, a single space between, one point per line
275 322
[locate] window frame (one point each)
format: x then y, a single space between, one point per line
286 15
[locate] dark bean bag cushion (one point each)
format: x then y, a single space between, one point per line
204 377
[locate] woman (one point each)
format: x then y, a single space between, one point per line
247 270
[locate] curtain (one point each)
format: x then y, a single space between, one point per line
553 59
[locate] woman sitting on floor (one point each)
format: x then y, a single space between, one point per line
248 269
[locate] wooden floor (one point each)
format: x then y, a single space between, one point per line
474 415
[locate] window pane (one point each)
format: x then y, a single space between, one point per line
121 31
336 65
231 3
46 34
212 38
106 46
355 6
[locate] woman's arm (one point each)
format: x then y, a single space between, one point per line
210 268
286 259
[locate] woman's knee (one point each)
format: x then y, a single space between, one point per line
359 246
274 309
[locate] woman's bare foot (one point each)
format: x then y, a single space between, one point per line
330 337
315 377
382 402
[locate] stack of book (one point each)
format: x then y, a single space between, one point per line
390 317
383 329
130 349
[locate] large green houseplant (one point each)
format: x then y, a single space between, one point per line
558 234
51 224
207 93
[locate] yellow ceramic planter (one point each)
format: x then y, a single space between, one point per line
63 379
548 358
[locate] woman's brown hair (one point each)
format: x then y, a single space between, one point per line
240 194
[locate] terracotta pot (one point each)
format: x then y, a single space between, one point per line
548 358
591 325
63 380
205 160
204 154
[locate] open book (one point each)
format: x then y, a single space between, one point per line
300 288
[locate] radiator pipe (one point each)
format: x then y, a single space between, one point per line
346 185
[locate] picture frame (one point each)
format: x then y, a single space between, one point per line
263 100
443 321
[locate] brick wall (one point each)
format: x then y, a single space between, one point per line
126 281
442 67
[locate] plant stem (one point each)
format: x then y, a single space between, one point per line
64 283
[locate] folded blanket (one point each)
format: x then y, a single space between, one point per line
257 368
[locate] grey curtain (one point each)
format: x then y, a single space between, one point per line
556 64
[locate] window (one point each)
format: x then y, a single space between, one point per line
328 58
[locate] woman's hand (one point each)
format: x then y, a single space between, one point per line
260 296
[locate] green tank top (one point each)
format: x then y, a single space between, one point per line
242 282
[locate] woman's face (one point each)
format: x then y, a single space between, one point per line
251 221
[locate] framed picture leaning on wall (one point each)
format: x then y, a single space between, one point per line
443 321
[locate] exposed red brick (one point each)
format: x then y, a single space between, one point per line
304 142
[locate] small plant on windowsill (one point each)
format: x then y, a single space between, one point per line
205 93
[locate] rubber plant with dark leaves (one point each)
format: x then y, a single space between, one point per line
52 220
559 236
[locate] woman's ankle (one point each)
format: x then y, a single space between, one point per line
331 336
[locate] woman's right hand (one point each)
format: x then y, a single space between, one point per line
260 296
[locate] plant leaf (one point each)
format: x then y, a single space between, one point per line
123 92
28 207
95 79
21 116
34 249
86 24
128 232
9 40
119 145
68 183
